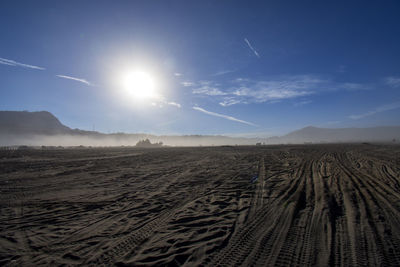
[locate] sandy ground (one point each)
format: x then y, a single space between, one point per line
315 205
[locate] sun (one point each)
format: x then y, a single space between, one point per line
139 84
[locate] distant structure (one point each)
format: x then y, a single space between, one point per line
147 143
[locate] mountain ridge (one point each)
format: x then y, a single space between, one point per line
34 127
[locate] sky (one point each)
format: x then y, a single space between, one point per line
238 68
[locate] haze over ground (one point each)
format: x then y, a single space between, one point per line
177 67
42 128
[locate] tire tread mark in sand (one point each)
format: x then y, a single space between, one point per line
370 236
390 175
132 241
390 245
107 223
258 197
244 241
287 228
299 234
23 237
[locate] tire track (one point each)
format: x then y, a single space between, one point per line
248 237
132 241
370 244
257 200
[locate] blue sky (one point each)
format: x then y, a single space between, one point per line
242 68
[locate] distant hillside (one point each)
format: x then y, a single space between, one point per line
326 135
24 122
43 128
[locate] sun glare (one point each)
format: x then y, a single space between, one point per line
139 84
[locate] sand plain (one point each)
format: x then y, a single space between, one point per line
311 205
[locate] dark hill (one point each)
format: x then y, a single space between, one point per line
24 122
317 135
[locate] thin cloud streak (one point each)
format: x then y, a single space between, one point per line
223 116
379 109
223 72
187 84
208 88
247 91
251 47
75 79
174 104
13 63
161 102
229 101
393 81
302 103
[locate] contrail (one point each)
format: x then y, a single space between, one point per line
10 62
251 47
223 116
75 79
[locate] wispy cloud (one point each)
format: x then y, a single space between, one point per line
379 109
177 74
17 64
161 102
223 116
263 91
251 47
392 81
208 88
302 103
75 79
229 101
223 72
174 104
187 84
354 86
247 91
